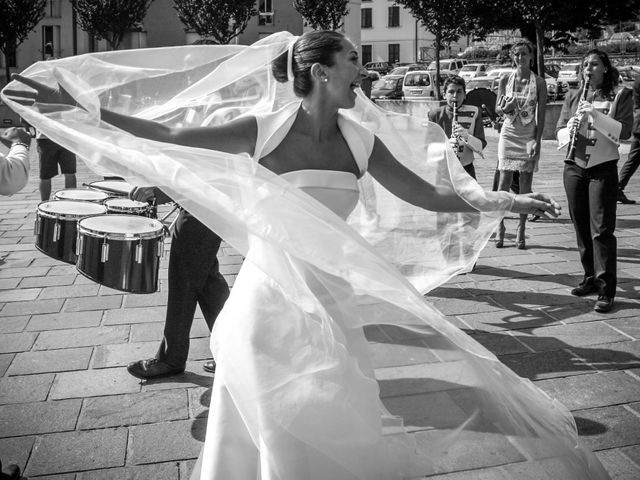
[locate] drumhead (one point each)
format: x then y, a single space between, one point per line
73 208
125 204
118 187
121 225
84 194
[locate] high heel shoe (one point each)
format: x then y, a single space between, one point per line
520 241
500 236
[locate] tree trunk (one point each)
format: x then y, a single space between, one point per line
540 48
438 42
7 71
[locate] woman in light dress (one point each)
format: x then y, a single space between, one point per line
295 395
522 97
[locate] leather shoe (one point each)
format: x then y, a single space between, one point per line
152 368
604 304
209 366
622 198
584 289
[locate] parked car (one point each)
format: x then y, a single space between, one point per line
552 69
498 72
552 87
373 75
490 83
448 65
628 75
472 70
402 69
381 67
387 88
419 84
568 75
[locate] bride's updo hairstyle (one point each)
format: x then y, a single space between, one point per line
318 46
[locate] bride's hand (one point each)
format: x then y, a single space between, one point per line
43 93
535 203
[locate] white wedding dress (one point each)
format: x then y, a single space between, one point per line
295 396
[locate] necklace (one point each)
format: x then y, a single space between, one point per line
521 97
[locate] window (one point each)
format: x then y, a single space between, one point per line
394 52
50 41
366 54
53 9
265 12
394 16
365 16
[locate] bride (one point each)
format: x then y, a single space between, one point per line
295 394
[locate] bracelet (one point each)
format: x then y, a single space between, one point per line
20 143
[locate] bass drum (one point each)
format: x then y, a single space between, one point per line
121 251
81 194
56 226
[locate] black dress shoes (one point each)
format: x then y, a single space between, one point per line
622 198
152 368
584 289
209 366
604 304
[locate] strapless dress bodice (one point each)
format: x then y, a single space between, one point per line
337 190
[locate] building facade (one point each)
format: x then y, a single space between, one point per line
390 33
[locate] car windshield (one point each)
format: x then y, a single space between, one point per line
469 68
443 66
386 83
479 83
399 71
417 80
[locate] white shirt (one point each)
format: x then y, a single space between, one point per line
14 170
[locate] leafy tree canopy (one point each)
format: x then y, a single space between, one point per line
110 20
323 15
216 21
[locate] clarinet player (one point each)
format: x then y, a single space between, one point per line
591 124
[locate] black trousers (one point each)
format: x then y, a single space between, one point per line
592 194
632 163
194 278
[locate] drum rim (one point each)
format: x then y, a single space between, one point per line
44 213
160 233
105 195
111 191
141 205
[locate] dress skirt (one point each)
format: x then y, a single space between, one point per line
512 146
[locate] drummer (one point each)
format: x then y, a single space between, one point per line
194 279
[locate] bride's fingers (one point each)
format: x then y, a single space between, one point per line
9 92
22 101
37 86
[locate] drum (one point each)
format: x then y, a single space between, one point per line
121 251
56 226
115 188
81 194
129 207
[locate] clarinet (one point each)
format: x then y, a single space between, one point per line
457 146
571 154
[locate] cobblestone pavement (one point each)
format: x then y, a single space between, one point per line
69 410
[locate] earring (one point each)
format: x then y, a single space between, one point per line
325 79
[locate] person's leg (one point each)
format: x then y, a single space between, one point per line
504 184
70 180
602 205
48 166
67 162
525 181
45 189
628 169
576 186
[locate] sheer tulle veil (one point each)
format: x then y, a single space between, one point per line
372 270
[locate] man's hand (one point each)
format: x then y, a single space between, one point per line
142 194
15 135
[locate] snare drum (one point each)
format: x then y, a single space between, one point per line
115 188
121 251
130 207
56 226
81 194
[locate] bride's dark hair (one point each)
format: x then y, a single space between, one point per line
317 46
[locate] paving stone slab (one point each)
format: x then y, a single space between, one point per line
199 402
9 283
16 450
628 326
134 315
611 356
39 417
82 337
13 324
186 441
64 320
134 409
545 365
501 343
200 349
48 281
23 272
618 465
19 294
502 320
150 300
45 361
16 342
461 306
192 377
573 335
93 383
593 390
70 291
78 451
31 308
121 354
148 332
92 303
5 361
158 471
607 427
25 389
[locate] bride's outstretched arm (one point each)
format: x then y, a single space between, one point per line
237 136
411 188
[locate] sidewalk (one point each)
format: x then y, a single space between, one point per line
69 410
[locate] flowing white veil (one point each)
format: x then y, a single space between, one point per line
374 268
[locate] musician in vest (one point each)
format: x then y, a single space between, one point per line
462 123
591 124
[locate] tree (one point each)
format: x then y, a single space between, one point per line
216 21
447 20
110 20
324 15
18 18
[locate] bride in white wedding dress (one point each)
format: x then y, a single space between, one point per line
295 395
